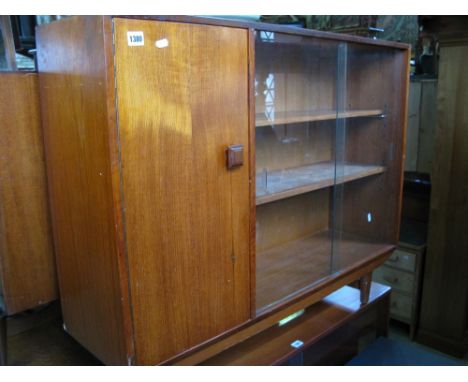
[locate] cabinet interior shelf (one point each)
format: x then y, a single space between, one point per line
282 184
312 116
287 269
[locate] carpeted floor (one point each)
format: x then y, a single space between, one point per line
400 332
391 352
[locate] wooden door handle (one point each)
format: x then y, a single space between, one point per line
234 156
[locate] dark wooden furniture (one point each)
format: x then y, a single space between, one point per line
444 307
404 270
422 118
168 248
27 267
305 335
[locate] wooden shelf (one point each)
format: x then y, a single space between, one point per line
283 184
312 116
296 266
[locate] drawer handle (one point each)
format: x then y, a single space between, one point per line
391 280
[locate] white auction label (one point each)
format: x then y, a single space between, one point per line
135 38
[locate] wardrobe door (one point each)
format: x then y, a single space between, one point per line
182 103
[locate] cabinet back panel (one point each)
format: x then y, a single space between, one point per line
295 77
26 255
187 216
288 146
75 118
292 218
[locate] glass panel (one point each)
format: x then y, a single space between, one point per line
3 56
295 89
365 208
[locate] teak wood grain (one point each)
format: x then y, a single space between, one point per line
187 215
239 334
155 236
282 184
75 115
313 116
27 266
297 265
292 219
312 143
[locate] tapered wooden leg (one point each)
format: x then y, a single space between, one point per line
3 340
364 285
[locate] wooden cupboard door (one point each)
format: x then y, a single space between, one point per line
182 100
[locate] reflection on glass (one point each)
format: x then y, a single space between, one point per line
321 160
361 210
295 115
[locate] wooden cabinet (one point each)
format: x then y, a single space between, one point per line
444 302
186 217
27 269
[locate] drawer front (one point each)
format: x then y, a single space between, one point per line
402 260
395 278
401 306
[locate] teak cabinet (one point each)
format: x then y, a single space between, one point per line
27 268
208 178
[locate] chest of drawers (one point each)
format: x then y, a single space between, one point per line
402 271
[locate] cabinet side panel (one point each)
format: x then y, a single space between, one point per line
75 118
445 286
26 254
183 98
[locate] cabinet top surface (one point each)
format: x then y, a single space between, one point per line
273 28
